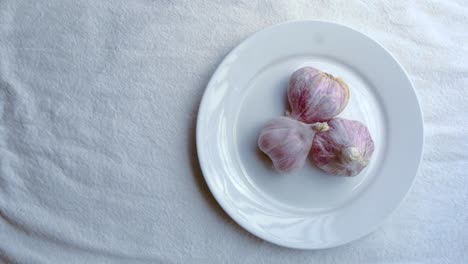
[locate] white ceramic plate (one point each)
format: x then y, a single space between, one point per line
307 209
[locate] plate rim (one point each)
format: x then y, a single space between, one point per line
243 223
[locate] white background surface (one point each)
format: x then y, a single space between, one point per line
98 102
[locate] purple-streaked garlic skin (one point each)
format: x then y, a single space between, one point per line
287 142
344 150
316 96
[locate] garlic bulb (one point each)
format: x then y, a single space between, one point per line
345 149
287 142
316 96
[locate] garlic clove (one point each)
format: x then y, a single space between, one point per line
287 142
316 96
345 149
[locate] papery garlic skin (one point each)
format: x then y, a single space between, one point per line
345 149
316 96
287 142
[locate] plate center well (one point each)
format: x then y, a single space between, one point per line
309 188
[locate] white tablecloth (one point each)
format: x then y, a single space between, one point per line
98 102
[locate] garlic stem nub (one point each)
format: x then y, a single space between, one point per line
320 126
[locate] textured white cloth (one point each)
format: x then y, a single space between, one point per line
98 101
